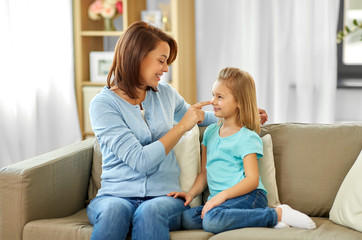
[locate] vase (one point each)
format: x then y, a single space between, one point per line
108 24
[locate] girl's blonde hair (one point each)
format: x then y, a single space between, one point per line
242 87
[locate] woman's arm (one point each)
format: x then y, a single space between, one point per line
113 131
199 183
248 184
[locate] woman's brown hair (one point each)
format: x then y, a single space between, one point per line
242 86
132 47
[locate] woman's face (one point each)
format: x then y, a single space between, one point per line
154 65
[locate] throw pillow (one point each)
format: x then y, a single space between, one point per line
267 171
187 152
347 209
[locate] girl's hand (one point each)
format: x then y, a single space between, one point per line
213 202
187 196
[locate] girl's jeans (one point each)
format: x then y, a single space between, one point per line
249 210
149 217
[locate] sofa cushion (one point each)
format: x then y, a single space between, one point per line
190 235
347 207
326 230
267 171
187 152
311 161
73 227
78 227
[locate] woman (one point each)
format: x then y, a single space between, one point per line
133 119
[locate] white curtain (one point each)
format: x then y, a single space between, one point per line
288 46
37 101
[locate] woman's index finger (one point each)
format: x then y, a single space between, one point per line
202 104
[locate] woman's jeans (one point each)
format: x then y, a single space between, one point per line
249 210
149 217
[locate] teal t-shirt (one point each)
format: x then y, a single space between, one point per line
225 155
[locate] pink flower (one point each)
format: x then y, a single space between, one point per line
96 7
119 6
105 9
108 11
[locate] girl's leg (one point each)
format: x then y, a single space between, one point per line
155 218
191 218
249 210
110 217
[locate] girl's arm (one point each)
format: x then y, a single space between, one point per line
199 183
248 184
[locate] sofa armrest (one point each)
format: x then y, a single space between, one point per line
51 185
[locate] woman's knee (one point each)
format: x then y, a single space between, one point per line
111 209
149 210
165 211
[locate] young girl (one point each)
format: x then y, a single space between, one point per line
230 151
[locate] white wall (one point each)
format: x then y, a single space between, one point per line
348 105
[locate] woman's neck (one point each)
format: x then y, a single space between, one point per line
141 95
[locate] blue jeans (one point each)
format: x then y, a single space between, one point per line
149 217
249 210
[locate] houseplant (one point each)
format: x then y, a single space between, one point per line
106 9
347 30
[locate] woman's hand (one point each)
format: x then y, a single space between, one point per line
194 115
263 116
213 202
187 196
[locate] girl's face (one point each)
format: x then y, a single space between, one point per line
154 65
223 101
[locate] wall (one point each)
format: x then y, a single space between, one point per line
349 105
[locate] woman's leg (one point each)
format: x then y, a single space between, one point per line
110 217
191 218
249 210
155 218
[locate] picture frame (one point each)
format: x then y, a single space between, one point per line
153 17
99 65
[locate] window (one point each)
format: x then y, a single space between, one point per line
350 49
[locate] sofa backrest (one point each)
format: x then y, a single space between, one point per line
311 161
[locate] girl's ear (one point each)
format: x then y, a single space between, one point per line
238 106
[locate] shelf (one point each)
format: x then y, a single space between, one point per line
97 84
101 33
108 33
